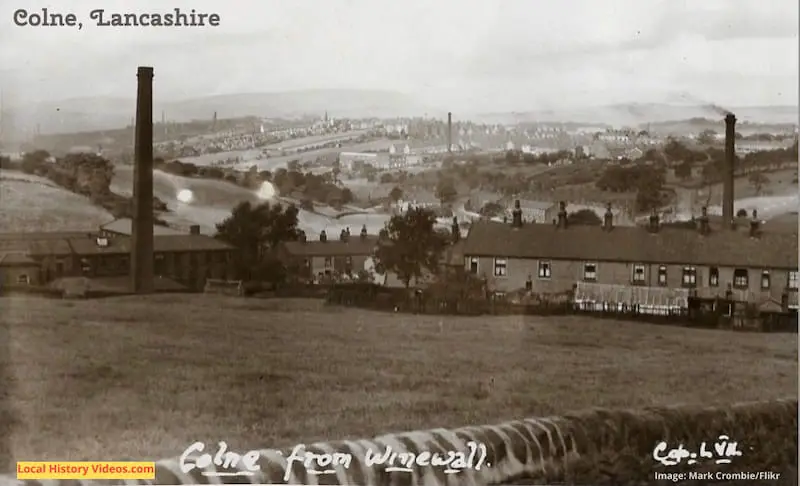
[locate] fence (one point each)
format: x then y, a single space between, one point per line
658 306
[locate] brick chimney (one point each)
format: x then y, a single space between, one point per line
608 218
455 230
302 237
562 215
323 236
194 229
449 132
727 177
363 234
703 222
343 236
516 215
755 225
142 232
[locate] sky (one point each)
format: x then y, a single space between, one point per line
487 55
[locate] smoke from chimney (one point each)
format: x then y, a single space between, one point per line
142 234
730 160
449 132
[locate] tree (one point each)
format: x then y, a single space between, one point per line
584 217
33 161
412 245
256 232
758 180
395 194
707 137
446 191
683 170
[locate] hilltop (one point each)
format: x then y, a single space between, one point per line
639 114
99 113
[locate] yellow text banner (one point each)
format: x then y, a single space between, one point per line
86 470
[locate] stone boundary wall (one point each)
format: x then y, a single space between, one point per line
591 447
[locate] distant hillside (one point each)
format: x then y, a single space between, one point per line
87 114
637 114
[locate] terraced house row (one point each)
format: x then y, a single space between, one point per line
182 261
751 264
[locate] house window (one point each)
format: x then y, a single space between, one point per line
689 278
23 279
765 280
473 265
741 280
792 283
328 262
500 267
590 272
662 276
713 277
544 269
638 274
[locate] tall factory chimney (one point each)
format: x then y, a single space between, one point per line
730 160
142 238
449 132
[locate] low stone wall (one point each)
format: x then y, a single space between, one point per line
591 447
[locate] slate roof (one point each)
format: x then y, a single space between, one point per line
355 246
124 226
87 244
633 244
15 259
161 243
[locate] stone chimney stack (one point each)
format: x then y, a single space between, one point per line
562 215
608 218
455 230
516 215
142 231
653 222
363 234
323 236
755 225
194 229
703 221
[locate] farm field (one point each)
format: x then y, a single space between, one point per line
31 203
144 377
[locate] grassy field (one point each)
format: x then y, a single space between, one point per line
778 183
30 203
136 377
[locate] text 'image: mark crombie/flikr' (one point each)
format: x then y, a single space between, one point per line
369 243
